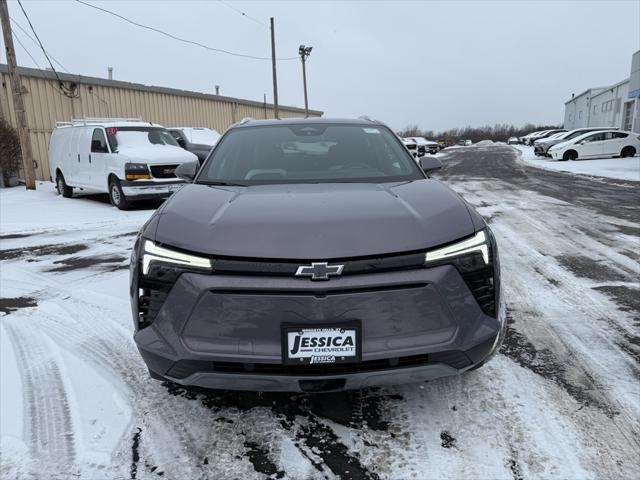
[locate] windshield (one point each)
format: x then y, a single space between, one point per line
202 136
136 137
309 153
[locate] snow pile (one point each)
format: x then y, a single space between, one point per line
617 168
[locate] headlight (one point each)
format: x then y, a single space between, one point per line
476 260
477 243
136 171
153 253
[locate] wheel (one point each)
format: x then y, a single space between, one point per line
63 189
116 195
570 155
628 152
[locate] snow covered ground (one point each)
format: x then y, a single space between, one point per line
560 401
618 168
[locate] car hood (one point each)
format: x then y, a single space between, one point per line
311 221
553 141
561 144
157 154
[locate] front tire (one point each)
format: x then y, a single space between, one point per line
61 186
628 152
570 155
116 195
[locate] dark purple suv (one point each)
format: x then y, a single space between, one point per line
314 255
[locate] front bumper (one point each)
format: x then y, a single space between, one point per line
137 190
223 331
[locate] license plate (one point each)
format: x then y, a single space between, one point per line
303 345
173 188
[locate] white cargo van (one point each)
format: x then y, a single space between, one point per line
127 158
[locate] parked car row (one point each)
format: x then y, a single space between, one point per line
421 145
598 144
541 146
127 158
530 138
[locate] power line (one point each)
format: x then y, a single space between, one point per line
66 91
174 37
15 35
34 41
244 14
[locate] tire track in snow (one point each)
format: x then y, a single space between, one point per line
108 351
48 421
585 345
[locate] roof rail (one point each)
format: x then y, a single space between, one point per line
86 120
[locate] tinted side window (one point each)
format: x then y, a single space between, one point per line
595 138
613 135
99 142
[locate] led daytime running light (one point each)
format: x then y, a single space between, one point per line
477 243
155 253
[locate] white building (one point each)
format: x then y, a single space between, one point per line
615 106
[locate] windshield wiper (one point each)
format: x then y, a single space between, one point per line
223 184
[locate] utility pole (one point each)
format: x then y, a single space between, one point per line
273 67
18 101
304 54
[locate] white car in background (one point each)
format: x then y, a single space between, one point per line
425 145
602 144
411 145
550 137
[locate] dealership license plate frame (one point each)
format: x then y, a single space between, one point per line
285 328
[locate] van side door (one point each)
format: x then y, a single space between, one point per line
72 159
99 156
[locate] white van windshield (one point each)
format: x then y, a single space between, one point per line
136 137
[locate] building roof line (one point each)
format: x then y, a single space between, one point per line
588 90
81 79
615 85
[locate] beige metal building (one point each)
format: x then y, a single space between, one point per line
46 103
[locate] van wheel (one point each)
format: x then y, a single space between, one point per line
63 189
628 152
116 195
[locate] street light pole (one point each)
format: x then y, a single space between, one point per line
304 53
276 110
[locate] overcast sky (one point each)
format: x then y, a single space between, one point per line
436 64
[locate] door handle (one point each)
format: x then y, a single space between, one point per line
89 158
78 158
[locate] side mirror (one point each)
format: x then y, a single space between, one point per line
430 164
187 171
181 142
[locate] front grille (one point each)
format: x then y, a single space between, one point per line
289 268
163 171
185 368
